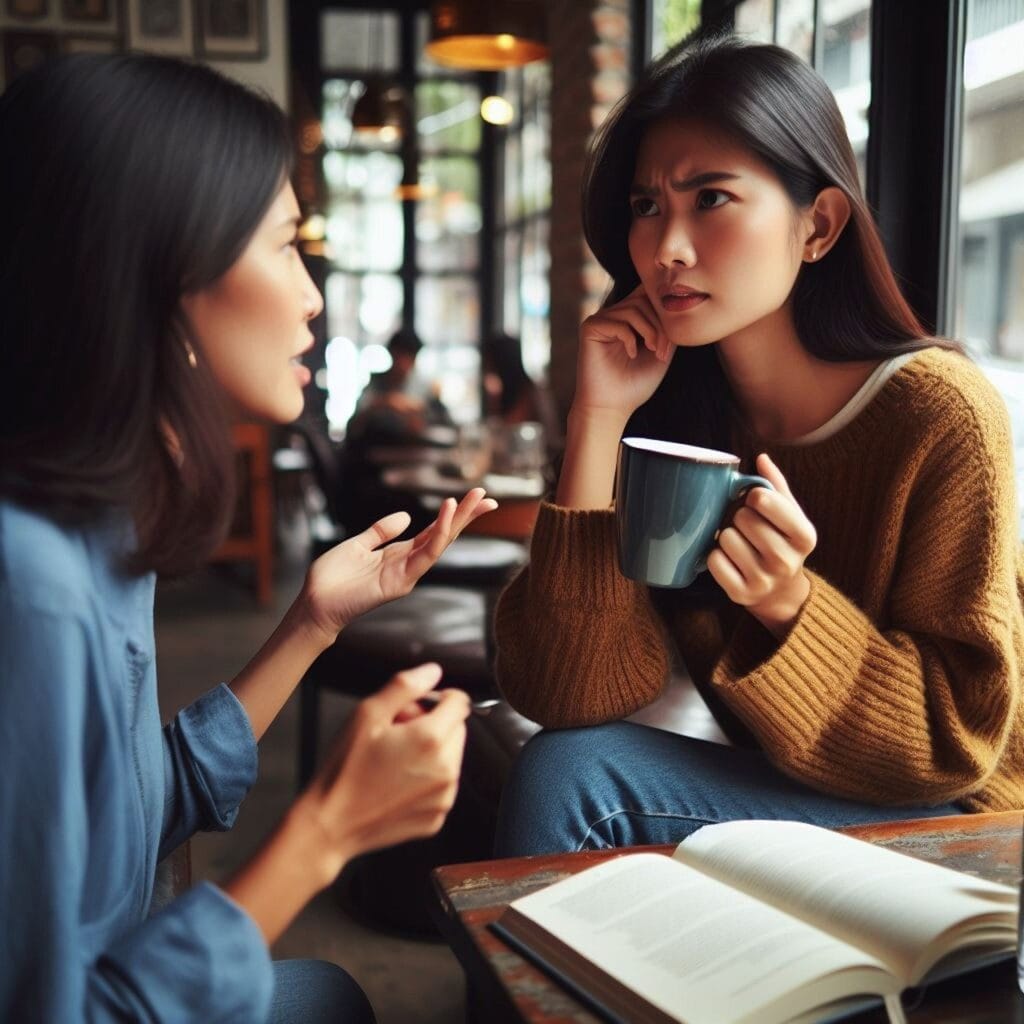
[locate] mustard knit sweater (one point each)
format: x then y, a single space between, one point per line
900 681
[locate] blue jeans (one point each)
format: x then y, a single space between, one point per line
317 992
624 784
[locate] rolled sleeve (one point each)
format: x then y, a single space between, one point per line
202 955
211 762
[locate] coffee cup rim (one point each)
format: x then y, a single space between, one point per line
678 450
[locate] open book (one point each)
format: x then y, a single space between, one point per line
760 921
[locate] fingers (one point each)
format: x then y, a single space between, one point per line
451 708
474 504
743 557
761 553
628 320
768 469
451 521
779 509
404 688
384 530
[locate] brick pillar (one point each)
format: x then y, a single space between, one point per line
590 47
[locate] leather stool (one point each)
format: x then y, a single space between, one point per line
445 624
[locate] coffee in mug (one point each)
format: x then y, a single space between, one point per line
670 500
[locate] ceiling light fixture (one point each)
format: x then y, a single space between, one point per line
487 36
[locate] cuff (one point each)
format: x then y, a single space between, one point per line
217 735
201 958
784 691
574 559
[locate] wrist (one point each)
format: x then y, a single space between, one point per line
319 850
308 623
589 418
779 614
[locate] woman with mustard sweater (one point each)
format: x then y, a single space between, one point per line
859 634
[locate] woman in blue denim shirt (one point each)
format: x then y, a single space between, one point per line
150 287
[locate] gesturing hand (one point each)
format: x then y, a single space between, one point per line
759 560
393 772
361 573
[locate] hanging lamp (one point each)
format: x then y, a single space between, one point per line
379 111
487 36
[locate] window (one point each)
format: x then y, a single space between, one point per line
403 216
834 36
989 266
524 214
672 20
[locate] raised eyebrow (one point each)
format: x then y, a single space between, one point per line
697 181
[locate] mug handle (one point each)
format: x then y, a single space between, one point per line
740 482
744 482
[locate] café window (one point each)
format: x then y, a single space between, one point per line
523 214
834 36
402 210
990 263
988 286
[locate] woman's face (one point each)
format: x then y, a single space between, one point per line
716 241
251 326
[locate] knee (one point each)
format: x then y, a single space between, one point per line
542 801
317 992
553 761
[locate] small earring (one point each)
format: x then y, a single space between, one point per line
814 255
190 353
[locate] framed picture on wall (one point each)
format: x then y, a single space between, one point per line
94 15
90 44
161 26
24 50
28 9
231 29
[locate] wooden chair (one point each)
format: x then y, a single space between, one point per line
252 537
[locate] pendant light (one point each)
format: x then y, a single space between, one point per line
380 111
487 35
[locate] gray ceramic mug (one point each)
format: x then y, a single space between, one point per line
669 503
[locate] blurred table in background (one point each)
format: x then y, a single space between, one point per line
518 495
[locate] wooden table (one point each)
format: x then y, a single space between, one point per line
518 496
504 987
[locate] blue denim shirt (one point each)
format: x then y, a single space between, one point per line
93 792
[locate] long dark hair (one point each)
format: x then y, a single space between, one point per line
846 307
126 182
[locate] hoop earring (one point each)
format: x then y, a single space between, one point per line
190 353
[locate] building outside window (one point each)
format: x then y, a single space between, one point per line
989 272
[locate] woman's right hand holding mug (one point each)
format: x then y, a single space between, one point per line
623 357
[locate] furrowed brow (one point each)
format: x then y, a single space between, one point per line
700 180
697 181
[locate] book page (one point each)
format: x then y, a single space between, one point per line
905 911
695 948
